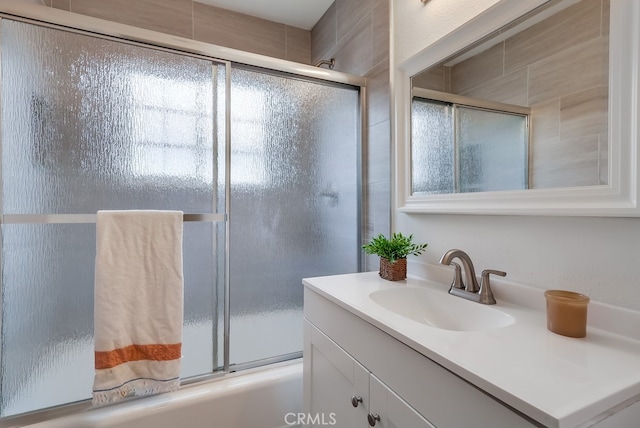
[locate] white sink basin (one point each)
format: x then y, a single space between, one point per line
440 310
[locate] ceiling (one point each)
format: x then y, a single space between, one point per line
297 13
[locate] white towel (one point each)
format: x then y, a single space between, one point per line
138 303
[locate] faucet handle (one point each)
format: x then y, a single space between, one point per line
487 272
485 293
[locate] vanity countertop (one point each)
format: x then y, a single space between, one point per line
555 380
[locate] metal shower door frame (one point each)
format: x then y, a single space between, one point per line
62 20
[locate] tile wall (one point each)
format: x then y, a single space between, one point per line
356 34
559 68
198 21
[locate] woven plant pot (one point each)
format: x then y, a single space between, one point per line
396 271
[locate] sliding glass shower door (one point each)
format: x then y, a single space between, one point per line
92 123
294 203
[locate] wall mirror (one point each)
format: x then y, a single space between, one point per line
524 110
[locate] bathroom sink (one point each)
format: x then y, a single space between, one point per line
440 310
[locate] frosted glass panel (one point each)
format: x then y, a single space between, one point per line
293 203
456 148
432 148
203 290
91 124
94 123
47 310
493 150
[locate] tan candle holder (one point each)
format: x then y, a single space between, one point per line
567 312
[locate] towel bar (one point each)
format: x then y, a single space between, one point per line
90 218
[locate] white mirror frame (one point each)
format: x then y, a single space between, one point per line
618 199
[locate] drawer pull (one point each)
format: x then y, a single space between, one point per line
373 418
355 400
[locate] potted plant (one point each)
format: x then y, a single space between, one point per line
393 254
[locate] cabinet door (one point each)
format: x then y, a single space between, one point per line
336 387
388 410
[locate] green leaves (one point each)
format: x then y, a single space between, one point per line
398 247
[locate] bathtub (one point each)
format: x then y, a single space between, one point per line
261 398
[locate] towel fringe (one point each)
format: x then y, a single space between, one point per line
136 388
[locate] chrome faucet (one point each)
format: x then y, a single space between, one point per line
469 288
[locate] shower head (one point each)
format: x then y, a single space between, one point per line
330 62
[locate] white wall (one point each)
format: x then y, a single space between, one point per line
596 256
416 25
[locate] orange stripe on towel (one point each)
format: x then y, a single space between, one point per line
109 359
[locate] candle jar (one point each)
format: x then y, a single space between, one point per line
567 312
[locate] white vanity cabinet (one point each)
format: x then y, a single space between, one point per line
339 391
346 357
